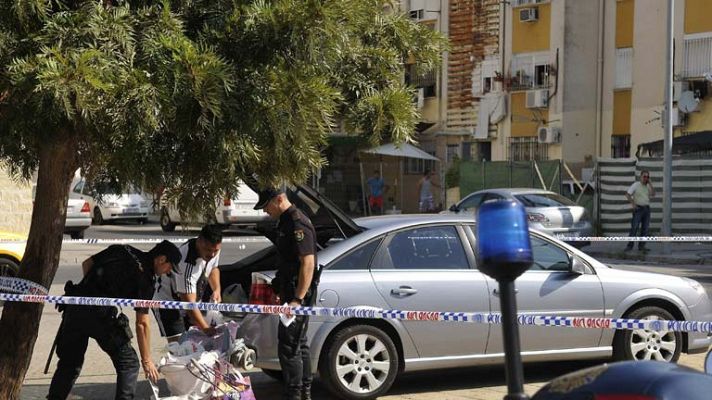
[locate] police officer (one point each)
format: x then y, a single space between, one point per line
189 281
295 284
119 271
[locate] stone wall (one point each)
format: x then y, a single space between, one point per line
15 204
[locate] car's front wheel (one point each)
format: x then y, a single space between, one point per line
360 362
98 218
641 344
9 267
166 224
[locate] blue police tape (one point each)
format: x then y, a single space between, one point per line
243 240
565 238
252 239
20 287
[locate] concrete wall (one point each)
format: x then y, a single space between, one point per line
577 80
15 204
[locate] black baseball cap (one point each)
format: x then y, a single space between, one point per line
168 249
265 196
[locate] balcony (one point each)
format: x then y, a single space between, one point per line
697 55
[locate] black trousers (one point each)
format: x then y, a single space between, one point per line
79 324
294 357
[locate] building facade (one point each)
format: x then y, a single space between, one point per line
561 79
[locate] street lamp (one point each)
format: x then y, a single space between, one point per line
505 252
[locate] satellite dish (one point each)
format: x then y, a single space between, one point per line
688 102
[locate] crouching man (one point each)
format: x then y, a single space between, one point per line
117 272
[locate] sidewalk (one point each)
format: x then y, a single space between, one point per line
674 253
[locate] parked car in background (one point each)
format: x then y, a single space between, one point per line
547 211
78 218
231 210
12 248
108 205
427 263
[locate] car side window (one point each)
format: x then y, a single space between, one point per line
356 259
472 202
493 196
432 247
548 257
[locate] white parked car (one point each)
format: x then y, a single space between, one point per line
107 205
78 218
231 210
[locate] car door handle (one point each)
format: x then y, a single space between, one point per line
496 291
404 291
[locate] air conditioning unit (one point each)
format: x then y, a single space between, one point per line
677 89
420 100
538 98
679 118
528 14
549 134
417 15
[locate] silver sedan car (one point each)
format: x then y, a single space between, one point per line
427 263
547 211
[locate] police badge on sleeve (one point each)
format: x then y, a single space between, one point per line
299 235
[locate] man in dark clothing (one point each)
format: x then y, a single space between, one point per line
116 272
295 284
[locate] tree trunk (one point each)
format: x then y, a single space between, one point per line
20 321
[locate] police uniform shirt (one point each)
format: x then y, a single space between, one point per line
297 238
121 272
191 275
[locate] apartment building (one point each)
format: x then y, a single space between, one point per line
576 80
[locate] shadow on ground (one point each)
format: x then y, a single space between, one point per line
411 383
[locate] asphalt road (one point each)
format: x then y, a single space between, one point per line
96 381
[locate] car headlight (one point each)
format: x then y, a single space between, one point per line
145 204
697 286
112 204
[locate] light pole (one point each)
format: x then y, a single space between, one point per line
504 252
667 124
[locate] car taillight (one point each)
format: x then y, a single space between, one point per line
85 207
261 292
536 217
622 397
227 202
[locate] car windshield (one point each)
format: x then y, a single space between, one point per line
543 200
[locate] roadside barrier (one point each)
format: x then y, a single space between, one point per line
30 292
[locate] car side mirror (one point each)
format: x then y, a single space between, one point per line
454 208
577 266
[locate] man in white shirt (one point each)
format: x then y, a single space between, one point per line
197 269
639 195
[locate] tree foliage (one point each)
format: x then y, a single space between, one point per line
188 95
193 94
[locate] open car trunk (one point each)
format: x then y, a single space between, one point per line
330 223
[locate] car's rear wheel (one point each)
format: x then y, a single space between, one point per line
360 362
9 267
273 373
97 219
166 224
641 344
77 234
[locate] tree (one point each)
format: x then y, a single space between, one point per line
187 95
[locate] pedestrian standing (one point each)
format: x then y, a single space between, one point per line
122 272
639 195
376 188
426 202
197 269
295 284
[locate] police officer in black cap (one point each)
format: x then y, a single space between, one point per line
117 272
295 284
